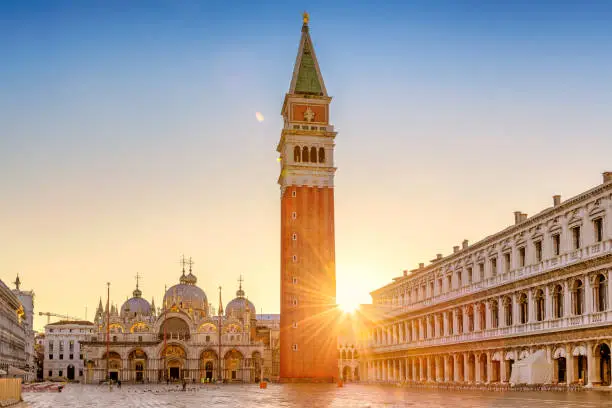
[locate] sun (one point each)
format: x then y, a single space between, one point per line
348 306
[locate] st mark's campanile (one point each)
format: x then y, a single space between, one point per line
308 268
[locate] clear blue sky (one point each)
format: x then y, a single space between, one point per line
128 134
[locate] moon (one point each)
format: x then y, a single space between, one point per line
259 117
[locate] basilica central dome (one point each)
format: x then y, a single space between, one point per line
186 295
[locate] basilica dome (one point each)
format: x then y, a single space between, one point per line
135 305
239 305
186 295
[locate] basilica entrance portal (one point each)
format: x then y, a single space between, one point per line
174 373
209 370
70 373
174 357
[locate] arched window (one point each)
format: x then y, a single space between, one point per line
470 315
305 154
321 155
482 313
459 321
601 290
540 305
524 306
313 154
296 154
558 301
494 315
578 297
508 311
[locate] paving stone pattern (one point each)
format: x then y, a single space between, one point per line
302 396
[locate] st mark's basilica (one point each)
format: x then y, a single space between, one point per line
184 339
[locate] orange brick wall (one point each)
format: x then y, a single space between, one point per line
315 269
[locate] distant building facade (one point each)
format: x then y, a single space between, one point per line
540 286
63 355
39 354
13 334
183 340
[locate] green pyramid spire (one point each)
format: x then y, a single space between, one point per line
307 77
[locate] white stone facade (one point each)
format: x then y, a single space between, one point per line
26 297
541 284
63 356
12 333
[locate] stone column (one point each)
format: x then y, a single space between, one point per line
515 310
530 306
489 367
501 313
437 325
436 368
502 368
588 297
446 368
477 378
445 317
569 365
609 297
567 300
394 334
478 325
402 374
466 324
383 376
488 320
548 303
591 361
422 368
456 373
415 375
466 367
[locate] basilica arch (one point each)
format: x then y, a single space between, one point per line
234 370
174 361
115 365
138 365
209 361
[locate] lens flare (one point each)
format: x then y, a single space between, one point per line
259 117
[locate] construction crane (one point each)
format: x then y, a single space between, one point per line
56 315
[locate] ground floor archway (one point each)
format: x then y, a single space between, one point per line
208 365
234 361
602 353
70 372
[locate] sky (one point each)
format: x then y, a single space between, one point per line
128 136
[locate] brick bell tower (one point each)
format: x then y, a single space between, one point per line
308 351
